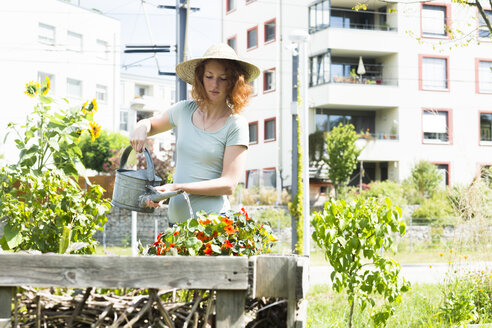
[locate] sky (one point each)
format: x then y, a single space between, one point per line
142 23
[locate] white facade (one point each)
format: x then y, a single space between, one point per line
143 97
77 48
270 108
422 95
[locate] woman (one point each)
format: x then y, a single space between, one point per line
212 138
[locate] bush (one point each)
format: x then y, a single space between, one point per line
96 154
425 178
387 189
433 210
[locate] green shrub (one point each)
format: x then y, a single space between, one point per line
436 210
96 154
387 189
426 178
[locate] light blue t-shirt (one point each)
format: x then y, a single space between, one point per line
199 157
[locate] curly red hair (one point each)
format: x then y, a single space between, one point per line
238 92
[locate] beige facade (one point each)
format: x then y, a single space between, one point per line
421 95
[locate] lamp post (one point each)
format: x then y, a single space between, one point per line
301 37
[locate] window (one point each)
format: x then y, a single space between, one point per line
486 128
326 119
254 85
483 31
319 16
42 77
486 173
252 179
124 120
484 79
230 5
435 126
270 31
249 1
74 88
141 90
434 73
102 49
319 69
443 169
252 38
46 34
232 42
253 133
269 177
270 133
269 80
101 93
74 41
434 20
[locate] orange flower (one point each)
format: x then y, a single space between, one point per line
229 229
204 222
227 244
176 233
171 245
227 221
201 236
208 251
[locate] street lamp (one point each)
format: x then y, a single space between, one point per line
301 37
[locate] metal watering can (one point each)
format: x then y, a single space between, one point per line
132 188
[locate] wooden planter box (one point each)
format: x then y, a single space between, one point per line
233 278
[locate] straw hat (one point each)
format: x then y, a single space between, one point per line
186 69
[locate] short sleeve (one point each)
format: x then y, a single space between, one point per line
239 133
176 112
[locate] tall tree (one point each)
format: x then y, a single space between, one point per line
342 154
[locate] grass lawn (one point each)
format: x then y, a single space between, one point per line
419 308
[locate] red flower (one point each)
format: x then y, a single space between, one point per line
227 244
243 210
247 217
171 245
227 221
201 236
204 222
159 236
208 251
176 233
230 229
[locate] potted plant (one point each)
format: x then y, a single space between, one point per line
394 129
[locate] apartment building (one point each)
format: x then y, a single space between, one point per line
143 97
77 49
399 72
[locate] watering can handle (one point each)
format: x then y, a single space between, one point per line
148 158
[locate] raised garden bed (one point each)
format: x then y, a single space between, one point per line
234 280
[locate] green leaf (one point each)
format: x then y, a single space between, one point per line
12 236
215 248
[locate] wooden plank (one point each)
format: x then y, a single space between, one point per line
230 308
5 306
183 272
291 285
271 276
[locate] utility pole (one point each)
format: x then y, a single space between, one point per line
181 16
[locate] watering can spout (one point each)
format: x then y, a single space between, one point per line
157 196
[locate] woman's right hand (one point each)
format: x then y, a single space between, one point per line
139 135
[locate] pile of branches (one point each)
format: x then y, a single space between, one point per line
134 308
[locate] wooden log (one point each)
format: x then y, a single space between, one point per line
230 308
5 306
53 270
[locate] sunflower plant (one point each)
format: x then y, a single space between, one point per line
234 233
41 202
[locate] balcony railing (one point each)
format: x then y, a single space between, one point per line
378 136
